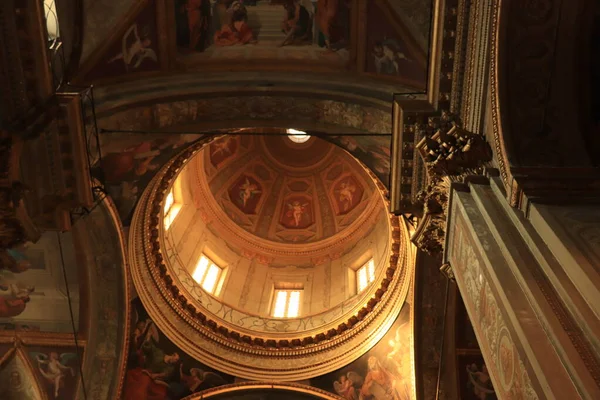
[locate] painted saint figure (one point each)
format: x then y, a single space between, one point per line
330 14
198 16
297 22
379 382
135 48
236 31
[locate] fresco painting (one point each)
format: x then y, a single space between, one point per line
245 193
474 379
32 286
297 212
383 373
130 161
57 369
373 151
134 50
253 29
158 370
347 193
222 150
389 53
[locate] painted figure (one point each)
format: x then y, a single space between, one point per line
346 195
54 368
221 147
247 191
330 14
386 55
236 31
297 23
198 18
296 211
198 377
480 382
135 48
15 302
379 382
347 385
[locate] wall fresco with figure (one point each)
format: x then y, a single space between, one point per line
33 291
237 30
157 369
384 372
135 48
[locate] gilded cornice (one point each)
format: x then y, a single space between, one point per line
233 351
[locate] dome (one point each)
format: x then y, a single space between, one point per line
260 244
283 191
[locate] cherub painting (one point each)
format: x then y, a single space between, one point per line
348 386
135 48
247 191
56 369
297 211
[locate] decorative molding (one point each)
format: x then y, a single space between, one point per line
245 387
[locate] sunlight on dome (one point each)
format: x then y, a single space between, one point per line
297 136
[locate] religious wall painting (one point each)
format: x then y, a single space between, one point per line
57 369
135 48
246 193
129 161
32 285
390 49
383 373
157 369
222 150
297 212
474 378
264 29
347 193
374 151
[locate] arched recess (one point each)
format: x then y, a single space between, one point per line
264 390
539 78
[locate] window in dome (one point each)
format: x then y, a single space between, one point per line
365 275
51 20
207 274
286 303
171 209
297 136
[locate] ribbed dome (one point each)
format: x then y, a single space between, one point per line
284 191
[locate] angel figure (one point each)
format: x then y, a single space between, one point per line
198 377
480 382
346 193
135 48
221 147
54 368
296 211
247 191
348 386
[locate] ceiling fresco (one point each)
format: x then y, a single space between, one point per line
388 40
283 191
